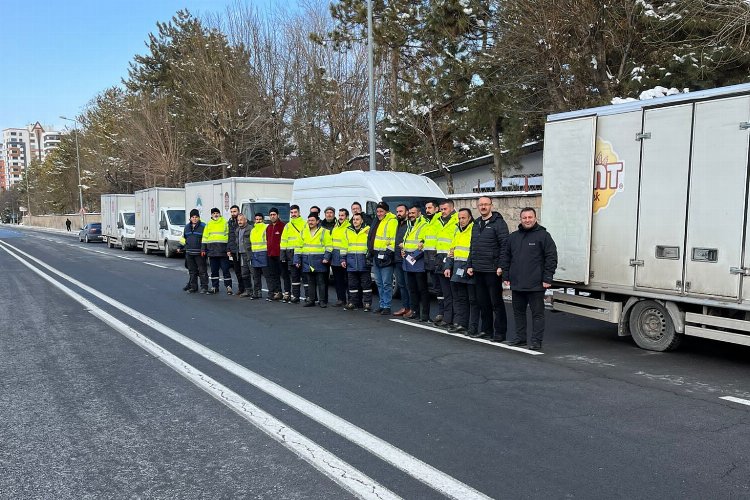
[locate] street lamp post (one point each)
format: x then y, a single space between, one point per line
371 85
78 164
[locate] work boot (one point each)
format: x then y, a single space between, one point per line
212 291
277 296
309 304
366 308
294 300
456 329
515 343
229 291
285 298
186 288
350 307
244 294
535 346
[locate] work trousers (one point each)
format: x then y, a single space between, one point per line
217 263
197 268
295 279
275 273
360 287
419 294
339 279
237 266
246 272
403 285
465 306
317 284
384 280
535 301
258 273
489 290
445 298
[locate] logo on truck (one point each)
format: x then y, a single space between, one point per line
608 175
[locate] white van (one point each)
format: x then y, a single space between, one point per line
368 188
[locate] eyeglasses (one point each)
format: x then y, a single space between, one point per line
484 204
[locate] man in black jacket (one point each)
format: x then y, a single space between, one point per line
233 250
529 260
489 236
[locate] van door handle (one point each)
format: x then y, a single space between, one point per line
739 270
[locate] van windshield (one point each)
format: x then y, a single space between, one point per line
420 201
128 218
176 217
250 209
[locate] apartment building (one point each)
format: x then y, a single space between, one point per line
20 146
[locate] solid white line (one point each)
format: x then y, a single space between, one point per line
736 400
464 337
434 478
329 464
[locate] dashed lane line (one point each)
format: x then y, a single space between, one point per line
464 337
733 399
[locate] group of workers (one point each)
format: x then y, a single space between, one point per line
462 260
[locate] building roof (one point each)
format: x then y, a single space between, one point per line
480 161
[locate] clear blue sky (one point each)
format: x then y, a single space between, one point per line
58 55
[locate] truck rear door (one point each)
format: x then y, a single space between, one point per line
718 189
568 190
665 161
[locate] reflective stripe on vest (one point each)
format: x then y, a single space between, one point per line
412 240
258 242
384 236
216 231
357 241
462 243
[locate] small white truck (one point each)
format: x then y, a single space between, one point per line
159 219
118 220
252 194
648 204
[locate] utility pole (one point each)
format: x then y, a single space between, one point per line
371 84
78 164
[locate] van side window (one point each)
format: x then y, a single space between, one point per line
370 209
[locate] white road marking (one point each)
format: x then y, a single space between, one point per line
329 464
484 341
736 400
427 474
157 265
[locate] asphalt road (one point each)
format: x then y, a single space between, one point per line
115 383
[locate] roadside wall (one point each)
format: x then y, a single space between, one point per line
508 204
58 221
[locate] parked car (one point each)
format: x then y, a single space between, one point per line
91 232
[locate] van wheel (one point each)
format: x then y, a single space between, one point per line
652 327
168 252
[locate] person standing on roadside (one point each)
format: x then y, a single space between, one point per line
232 250
430 208
402 228
259 255
489 236
530 261
338 257
465 308
68 224
357 264
215 239
244 250
289 239
195 258
413 265
278 274
312 257
380 243
443 228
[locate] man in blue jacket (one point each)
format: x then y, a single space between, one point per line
529 260
192 238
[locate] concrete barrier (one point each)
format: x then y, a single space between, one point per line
58 221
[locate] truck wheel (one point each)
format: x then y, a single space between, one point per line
168 252
652 327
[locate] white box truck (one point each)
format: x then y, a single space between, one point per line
159 219
118 220
252 194
368 188
648 204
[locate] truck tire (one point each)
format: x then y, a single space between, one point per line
168 252
652 328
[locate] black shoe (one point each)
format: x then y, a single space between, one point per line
294 300
229 291
204 290
498 340
192 290
426 319
309 304
515 343
438 319
386 312
186 288
212 291
377 310
412 316
481 335
323 305
457 329
535 346
366 308
470 333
